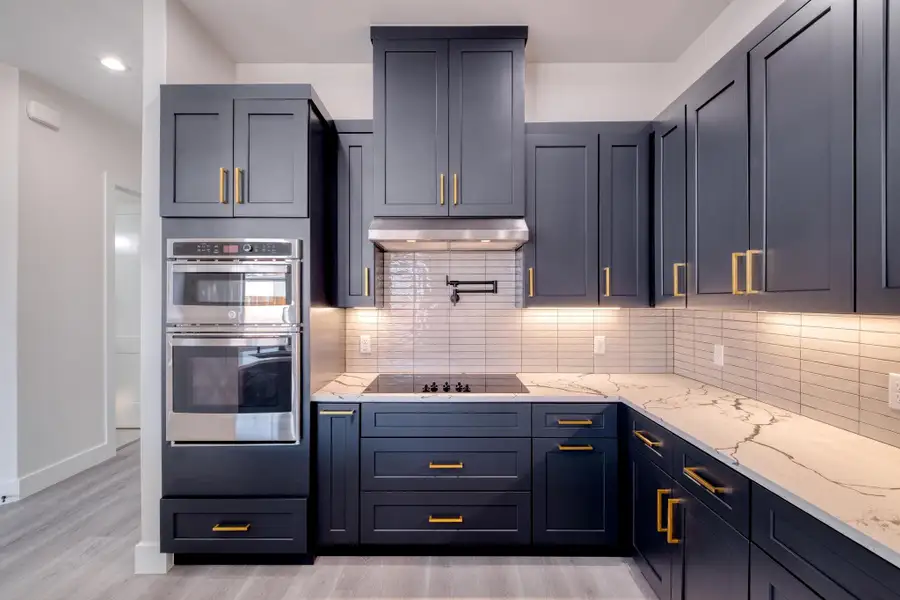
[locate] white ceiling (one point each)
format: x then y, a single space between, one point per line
61 41
559 30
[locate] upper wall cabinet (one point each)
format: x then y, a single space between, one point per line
449 121
801 151
670 208
240 151
878 169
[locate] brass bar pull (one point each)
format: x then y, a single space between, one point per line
692 474
222 185
432 465
237 186
574 422
231 528
531 282
366 282
442 189
585 448
641 435
675 292
735 286
670 530
433 519
749 269
337 413
455 190
659 522
606 270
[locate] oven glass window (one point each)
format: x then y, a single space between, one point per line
231 289
223 379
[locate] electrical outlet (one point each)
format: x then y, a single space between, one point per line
894 391
365 344
599 344
719 355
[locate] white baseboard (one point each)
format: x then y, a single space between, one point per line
9 489
52 474
148 560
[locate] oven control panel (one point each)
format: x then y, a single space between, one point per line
232 249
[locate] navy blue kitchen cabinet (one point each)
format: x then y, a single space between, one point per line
769 580
670 208
357 256
802 163
625 219
877 143
651 488
575 491
562 262
337 466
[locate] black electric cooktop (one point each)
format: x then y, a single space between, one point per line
453 383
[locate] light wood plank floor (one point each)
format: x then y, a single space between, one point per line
75 541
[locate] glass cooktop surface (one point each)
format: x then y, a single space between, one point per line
453 383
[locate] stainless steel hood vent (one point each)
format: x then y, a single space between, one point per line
410 235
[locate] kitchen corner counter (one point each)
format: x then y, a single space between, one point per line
849 482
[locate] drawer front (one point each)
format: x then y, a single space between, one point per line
420 419
451 464
446 518
233 525
725 491
574 420
824 559
651 441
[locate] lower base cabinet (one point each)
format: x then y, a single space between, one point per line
337 474
770 581
650 487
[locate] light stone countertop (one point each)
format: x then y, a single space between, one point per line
850 482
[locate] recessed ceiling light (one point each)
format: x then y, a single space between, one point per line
113 63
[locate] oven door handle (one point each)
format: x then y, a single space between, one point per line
229 339
273 267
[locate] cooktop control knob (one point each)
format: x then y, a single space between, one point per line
446 387
434 387
425 388
467 388
459 386
247 248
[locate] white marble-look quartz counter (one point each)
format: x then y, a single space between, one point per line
850 482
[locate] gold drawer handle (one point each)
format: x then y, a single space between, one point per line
442 189
237 186
675 266
586 447
642 435
691 472
531 282
366 282
574 422
222 172
337 413
607 293
433 519
670 532
659 497
455 190
432 465
231 528
749 270
735 287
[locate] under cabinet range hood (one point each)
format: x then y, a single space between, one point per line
409 235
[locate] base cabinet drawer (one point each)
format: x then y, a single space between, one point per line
651 441
770 580
445 518
416 419
233 525
574 420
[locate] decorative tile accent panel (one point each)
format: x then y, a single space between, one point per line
419 330
832 368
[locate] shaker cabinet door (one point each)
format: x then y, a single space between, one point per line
337 468
670 209
650 489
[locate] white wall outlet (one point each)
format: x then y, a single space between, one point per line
719 355
599 344
365 344
894 391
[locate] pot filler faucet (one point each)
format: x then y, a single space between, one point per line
454 295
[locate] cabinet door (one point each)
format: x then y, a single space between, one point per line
356 254
769 580
718 187
801 107
487 128
710 555
195 152
271 145
337 465
411 120
575 491
562 256
670 214
877 170
625 220
650 489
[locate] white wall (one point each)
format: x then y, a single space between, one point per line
9 252
192 56
62 407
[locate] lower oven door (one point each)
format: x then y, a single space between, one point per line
233 388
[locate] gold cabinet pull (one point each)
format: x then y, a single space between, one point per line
237 186
749 270
659 521
606 270
675 291
642 435
574 422
432 465
337 413
692 474
231 528
433 519
222 185
366 282
735 287
531 282
585 448
670 530
442 189
455 190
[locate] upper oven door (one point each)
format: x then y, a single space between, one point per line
229 388
233 293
